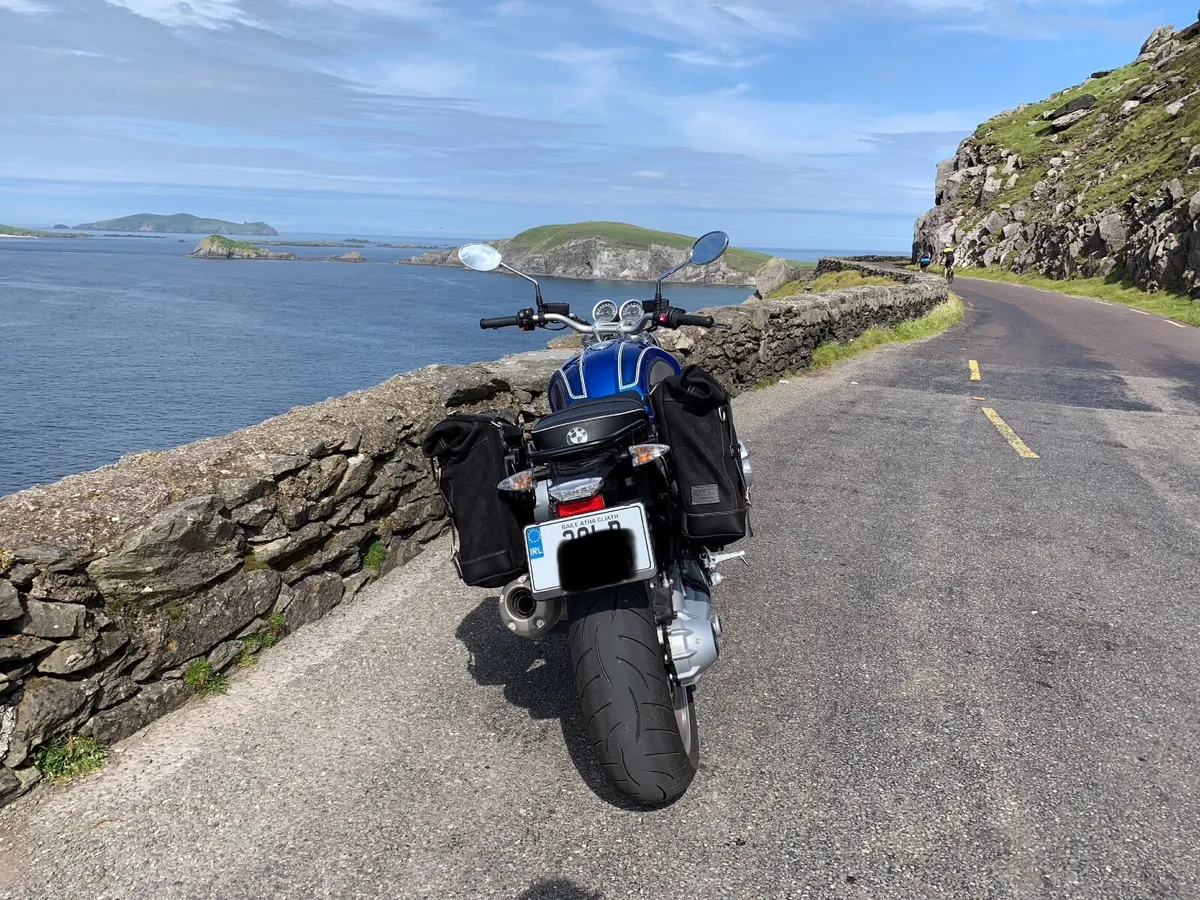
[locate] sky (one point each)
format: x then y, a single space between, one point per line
788 123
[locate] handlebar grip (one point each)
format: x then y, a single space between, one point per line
502 322
679 319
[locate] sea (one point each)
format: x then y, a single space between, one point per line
112 345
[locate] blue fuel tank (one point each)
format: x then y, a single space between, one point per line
611 367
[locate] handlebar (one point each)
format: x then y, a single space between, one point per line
673 318
502 322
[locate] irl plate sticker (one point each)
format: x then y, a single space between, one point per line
534 538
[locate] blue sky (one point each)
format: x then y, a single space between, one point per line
789 123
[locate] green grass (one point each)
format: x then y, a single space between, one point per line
933 322
64 759
252 643
1014 131
1173 306
224 243
25 232
203 681
376 554
629 237
830 281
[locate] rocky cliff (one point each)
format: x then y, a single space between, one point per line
1102 179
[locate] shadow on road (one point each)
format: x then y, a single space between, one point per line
559 889
536 676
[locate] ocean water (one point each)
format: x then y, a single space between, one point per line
115 345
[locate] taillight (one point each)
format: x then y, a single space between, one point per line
579 507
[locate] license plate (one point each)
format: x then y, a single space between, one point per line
596 550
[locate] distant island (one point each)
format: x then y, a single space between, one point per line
12 231
180 223
615 251
217 246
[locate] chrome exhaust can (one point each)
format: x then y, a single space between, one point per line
526 616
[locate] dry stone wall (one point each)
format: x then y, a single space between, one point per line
116 581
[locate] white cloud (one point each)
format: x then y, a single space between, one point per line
700 58
418 78
185 13
22 6
649 173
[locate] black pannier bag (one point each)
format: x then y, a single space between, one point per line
695 418
472 454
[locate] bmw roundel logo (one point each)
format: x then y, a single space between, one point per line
577 436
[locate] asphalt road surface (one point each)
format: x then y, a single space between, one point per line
964 662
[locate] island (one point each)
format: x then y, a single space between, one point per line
616 251
179 223
12 231
217 246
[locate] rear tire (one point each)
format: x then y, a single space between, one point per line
642 726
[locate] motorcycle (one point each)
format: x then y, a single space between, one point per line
617 542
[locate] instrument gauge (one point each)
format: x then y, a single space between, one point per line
604 312
631 312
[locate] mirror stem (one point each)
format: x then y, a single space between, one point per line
536 287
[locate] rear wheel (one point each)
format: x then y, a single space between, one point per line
642 725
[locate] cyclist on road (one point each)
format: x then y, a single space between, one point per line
926 259
948 261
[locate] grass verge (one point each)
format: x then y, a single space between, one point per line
830 281
203 681
1173 306
937 320
64 759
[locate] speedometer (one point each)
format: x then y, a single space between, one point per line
604 312
631 312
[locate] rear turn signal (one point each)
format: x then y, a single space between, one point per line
519 483
579 507
647 453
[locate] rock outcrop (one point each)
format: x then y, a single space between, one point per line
1100 180
114 582
217 247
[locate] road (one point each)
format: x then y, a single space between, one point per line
950 670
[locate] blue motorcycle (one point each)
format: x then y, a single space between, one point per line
633 484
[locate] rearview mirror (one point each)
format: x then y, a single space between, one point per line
480 257
709 248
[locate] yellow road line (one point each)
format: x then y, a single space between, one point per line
975 374
1009 435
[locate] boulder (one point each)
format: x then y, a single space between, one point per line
15 648
47 705
1145 92
1062 124
1159 38
1174 109
151 702
52 620
1086 101
777 272
944 170
1113 233
312 598
183 548
10 601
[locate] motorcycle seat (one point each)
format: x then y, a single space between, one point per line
590 425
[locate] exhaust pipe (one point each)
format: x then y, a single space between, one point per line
526 616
